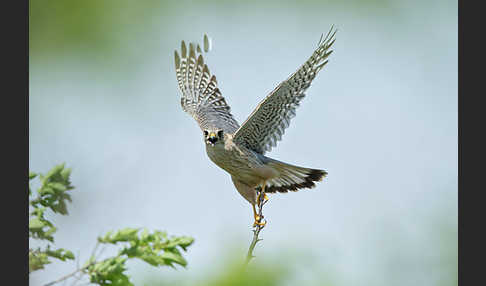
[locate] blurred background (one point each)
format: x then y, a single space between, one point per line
381 118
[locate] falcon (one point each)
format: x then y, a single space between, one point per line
240 149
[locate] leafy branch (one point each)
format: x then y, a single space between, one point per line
155 248
52 195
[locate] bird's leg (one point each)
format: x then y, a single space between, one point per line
260 203
255 216
265 197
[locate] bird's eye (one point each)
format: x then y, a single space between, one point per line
220 133
206 133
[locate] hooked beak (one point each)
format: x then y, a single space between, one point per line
212 138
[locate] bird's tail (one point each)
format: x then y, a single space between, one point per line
292 178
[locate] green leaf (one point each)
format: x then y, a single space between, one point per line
36 223
61 254
152 260
144 235
60 207
109 272
173 257
66 173
58 186
69 255
106 238
56 170
126 234
37 260
32 175
50 231
43 191
183 241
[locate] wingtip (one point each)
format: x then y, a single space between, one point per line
200 60
177 60
213 79
183 49
206 43
329 38
192 51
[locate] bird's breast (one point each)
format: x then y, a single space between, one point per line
231 158
241 163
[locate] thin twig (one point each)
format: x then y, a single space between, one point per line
77 278
69 275
258 227
93 253
77 267
92 260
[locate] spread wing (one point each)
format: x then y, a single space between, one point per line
201 97
266 124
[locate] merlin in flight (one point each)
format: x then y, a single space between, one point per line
240 149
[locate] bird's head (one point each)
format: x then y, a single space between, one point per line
213 137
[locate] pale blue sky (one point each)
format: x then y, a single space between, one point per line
381 118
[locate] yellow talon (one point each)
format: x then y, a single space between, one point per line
257 218
265 197
258 221
263 223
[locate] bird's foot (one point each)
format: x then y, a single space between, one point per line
259 221
265 197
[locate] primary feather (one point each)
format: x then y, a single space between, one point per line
201 97
267 123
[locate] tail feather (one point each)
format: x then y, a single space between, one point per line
292 178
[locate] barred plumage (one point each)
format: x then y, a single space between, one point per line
292 178
201 97
267 123
240 149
